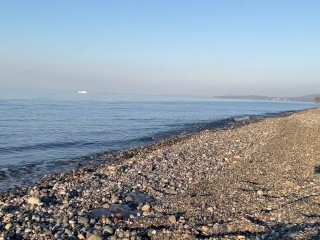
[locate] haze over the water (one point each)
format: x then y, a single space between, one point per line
203 48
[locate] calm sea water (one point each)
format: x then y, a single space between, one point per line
50 133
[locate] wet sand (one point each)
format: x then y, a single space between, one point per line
255 181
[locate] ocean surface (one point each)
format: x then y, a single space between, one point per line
53 132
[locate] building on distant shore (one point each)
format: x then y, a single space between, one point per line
317 99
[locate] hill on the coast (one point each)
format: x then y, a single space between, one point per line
305 98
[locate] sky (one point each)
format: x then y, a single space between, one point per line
162 47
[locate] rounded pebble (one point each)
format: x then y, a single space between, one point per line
34 200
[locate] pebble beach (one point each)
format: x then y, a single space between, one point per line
253 180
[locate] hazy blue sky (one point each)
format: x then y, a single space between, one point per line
199 47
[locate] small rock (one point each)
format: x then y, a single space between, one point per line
240 237
65 220
128 198
81 237
48 200
99 212
83 220
205 229
8 226
137 198
120 210
106 205
34 200
112 169
7 218
105 220
94 237
172 219
68 231
210 209
25 235
260 193
72 223
108 230
145 208
114 199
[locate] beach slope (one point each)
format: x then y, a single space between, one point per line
255 181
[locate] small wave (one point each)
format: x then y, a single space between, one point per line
144 139
41 146
242 118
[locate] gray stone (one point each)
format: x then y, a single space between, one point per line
108 230
68 231
65 220
83 220
121 210
128 198
100 212
114 199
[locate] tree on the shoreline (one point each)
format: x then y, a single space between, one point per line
317 99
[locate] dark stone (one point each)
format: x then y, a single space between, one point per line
100 212
121 210
49 200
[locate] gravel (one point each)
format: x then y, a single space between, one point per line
250 181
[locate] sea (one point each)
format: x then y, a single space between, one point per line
49 132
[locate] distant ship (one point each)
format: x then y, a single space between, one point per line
83 92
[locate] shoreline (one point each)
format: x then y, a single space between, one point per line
210 184
95 159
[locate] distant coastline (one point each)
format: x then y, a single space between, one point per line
306 98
